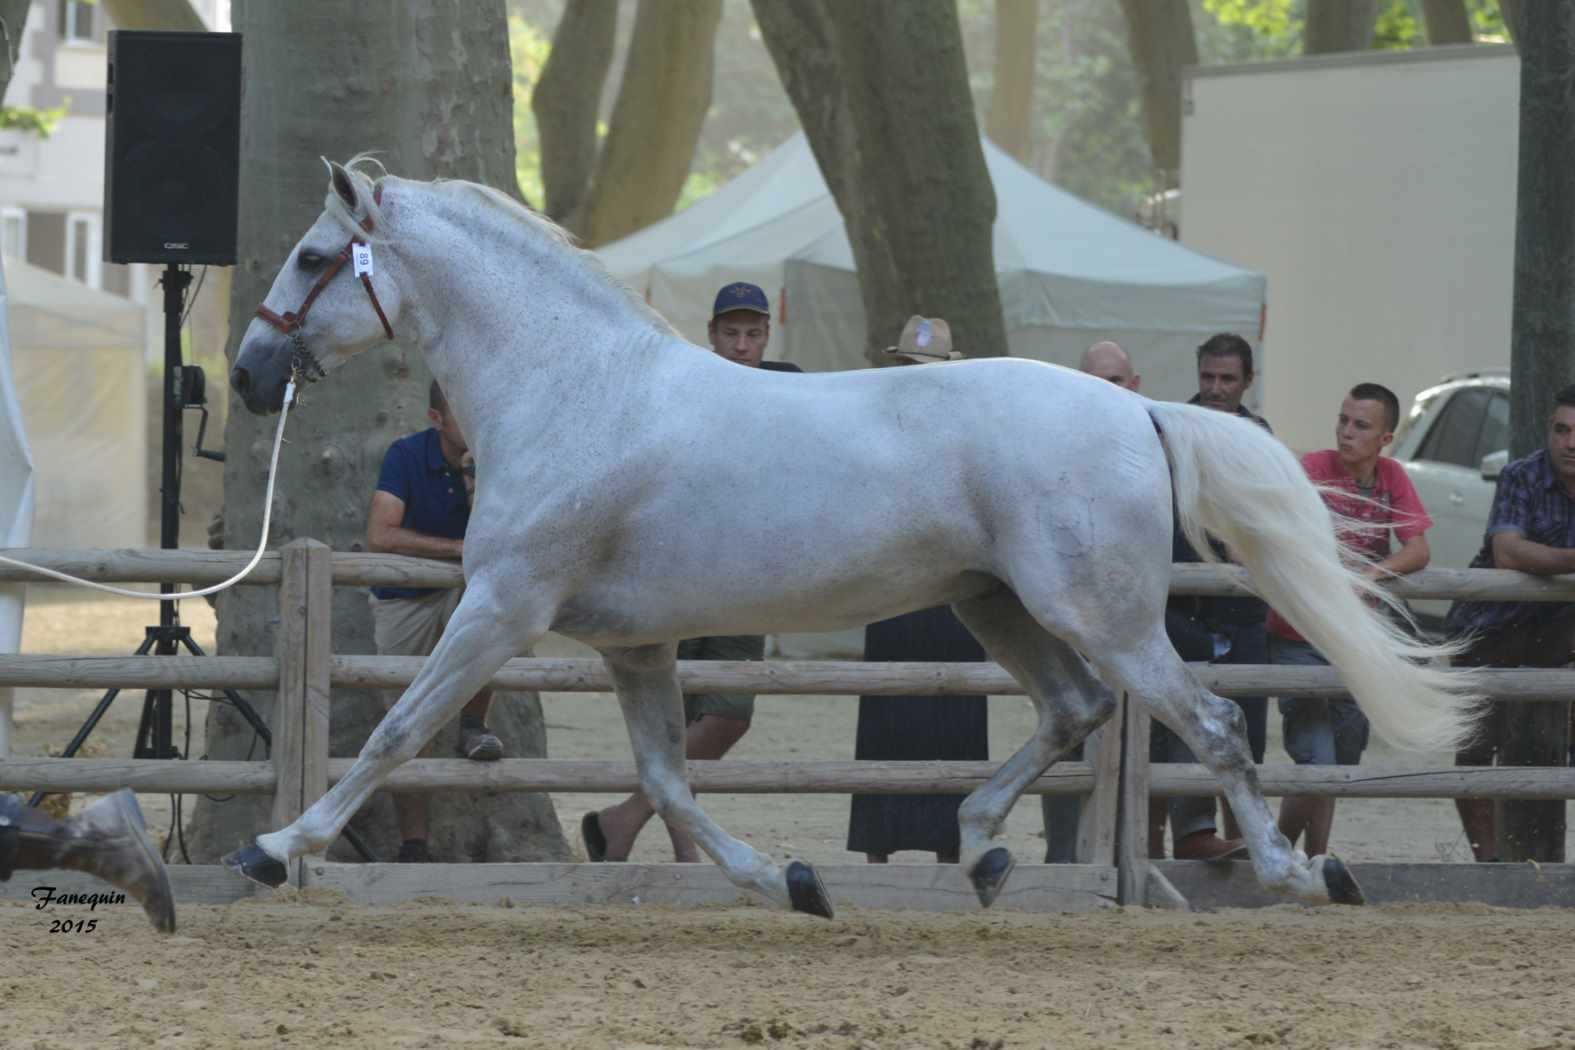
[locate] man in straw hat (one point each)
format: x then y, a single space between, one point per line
923 340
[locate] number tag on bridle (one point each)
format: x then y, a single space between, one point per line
361 259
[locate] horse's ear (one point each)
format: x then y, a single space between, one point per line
343 185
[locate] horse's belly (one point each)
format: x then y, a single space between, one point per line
627 615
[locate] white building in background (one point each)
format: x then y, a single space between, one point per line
52 190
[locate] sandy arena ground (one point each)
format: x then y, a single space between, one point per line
319 972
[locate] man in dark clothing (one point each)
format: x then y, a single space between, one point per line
1219 630
421 508
106 840
1530 529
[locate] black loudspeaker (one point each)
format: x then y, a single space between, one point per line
172 147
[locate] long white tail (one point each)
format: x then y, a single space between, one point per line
1235 481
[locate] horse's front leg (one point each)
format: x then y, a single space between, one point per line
646 679
1071 701
481 636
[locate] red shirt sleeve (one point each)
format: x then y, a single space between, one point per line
1410 517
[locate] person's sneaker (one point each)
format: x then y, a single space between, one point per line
479 744
414 851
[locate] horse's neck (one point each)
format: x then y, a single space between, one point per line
524 335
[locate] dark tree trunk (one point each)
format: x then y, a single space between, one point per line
882 92
428 83
1510 9
662 103
566 100
1542 333
1339 25
1011 121
1160 36
1447 22
13 17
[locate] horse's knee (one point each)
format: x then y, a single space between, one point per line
391 741
1223 725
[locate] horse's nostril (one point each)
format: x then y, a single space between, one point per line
240 380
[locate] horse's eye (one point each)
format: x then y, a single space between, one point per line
309 261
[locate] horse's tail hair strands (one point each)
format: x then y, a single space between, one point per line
1235 481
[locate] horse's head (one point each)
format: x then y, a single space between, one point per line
329 301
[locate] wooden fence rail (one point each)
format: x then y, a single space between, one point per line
304 670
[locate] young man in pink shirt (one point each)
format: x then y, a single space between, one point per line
1334 732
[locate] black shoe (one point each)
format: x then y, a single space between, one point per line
414 851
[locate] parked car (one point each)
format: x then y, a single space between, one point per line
1454 443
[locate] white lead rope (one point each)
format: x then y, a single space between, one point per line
262 543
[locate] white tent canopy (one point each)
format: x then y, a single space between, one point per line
77 364
1070 273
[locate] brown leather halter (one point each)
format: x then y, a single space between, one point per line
290 322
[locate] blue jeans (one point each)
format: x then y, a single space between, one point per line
1318 732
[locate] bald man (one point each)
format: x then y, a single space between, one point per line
1109 362
1104 360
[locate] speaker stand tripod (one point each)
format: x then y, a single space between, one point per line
183 388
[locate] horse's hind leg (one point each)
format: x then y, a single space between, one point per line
1215 730
653 708
478 641
1071 702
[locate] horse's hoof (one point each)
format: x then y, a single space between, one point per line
1342 887
256 864
989 874
806 891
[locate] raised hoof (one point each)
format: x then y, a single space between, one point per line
990 873
806 891
1341 885
257 865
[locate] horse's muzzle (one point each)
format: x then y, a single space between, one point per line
262 390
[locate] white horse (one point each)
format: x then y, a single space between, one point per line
634 489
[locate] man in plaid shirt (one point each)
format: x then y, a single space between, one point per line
1531 529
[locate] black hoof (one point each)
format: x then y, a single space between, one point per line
1341 885
989 874
595 840
257 865
806 891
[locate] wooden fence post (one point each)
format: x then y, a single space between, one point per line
1132 826
1096 825
305 649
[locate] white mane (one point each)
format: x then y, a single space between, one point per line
534 223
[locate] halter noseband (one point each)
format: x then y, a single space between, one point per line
290 322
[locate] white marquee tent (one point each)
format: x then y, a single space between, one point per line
73 455
1070 273
77 365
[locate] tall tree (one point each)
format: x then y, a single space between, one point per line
13 20
1447 22
427 82
662 103
566 101
882 92
1011 120
1542 332
1338 25
1510 9
1162 42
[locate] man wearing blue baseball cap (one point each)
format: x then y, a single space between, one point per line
740 327
739 330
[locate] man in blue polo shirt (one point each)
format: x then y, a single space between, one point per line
1530 529
421 508
739 330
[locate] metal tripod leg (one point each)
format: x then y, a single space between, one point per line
92 720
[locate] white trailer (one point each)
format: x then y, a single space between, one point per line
1377 192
